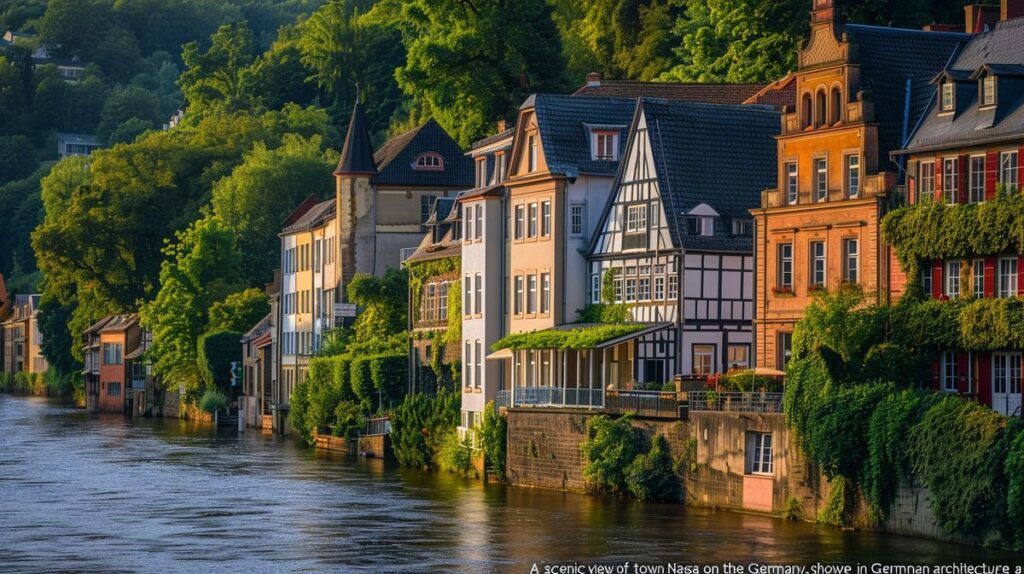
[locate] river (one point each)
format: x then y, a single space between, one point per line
99 493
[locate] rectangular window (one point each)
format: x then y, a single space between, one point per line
467 295
518 302
467 365
479 221
673 287
576 219
1006 373
636 218
953 279
545 218
659 288
478 307
978 277
112 353
1008 169
500 158
818 263
977 179
791 183
595 288
468 224
317 247
481 171
742 227
738 357
947 96
950 179
785 349
786 265
531 153
820 179
852 176
604 146
926 281
988 90
644 289
545 292
949 372
927 179
442 302
531 227
851 261
759 453
429 301
531 294
1007 277
703 359
478 380
631 289
520 220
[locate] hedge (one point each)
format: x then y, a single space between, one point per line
578 338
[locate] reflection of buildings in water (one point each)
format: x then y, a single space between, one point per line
473 528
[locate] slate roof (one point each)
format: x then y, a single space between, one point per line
495 138
780 93
723 156
1001 50
117 323
356 153
313 218
395 158
889 58
493 190
441 210
685 91
562 121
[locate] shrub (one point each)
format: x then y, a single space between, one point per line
390 375
837 441
216 352
419 424
361 380
455 455
299 409
834 512
213 400
888 431
348 419
650 476
493 440
1014 470
342 367
610 447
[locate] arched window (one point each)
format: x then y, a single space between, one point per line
837 106
819 108
429 161
805 111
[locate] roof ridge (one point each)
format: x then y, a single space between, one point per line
915 31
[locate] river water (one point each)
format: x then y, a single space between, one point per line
98 493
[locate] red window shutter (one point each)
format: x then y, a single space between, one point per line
990 276
963 366
937 279
938 178
962 180
991 173
1020 274
985 378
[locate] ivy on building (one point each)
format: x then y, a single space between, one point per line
581 336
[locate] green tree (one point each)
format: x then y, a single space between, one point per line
73 27
380 326
212 79
123 104
471 63
12 97
238 311
17 158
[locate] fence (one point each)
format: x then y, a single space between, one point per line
644 403
736 402
376 427
502 399
558 397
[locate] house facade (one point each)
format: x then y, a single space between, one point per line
967 149
108 372
22 339
859 91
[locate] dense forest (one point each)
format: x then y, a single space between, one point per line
182 223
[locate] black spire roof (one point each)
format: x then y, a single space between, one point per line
357 154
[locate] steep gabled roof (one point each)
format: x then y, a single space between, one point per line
118 323
563 123
999 51
357 153
395 159
681 91
720 155
313 217
891 61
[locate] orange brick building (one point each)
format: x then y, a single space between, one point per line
859 90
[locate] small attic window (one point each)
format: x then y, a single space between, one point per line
987 88
429 161
700 225
948 99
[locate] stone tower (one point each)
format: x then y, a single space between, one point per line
355 202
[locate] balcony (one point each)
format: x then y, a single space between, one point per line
557 397
376 427
732 402
654 404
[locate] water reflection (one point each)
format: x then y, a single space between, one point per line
98 493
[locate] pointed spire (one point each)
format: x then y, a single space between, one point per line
357 154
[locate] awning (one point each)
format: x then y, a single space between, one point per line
500 355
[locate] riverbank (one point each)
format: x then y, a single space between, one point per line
154 494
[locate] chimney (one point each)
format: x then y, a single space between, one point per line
502 126
594 79
980 17
1009 9
823 11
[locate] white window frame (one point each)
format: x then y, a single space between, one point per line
851 260
792 183
545 293
976 179
1009 162
479 221
520 223
478 291
954 271
595 288
577 211
951 179
785 262
978 278
949 372
820 179
636 218
531 294
988 90
605 145
704 351
520 285
1006 281
532 220
853 176
819 266
947 96
760 459
927 178
545 218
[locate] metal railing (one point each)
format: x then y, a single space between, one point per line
644 403
558 397
376 427
735 402
503 399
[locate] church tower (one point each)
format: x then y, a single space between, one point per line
355 202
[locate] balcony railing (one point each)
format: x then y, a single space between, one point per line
376 427
558 397
502 399
764 403
644 403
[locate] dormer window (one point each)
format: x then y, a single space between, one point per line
429 161
741 227
948 101
700 225
606 145
988 90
